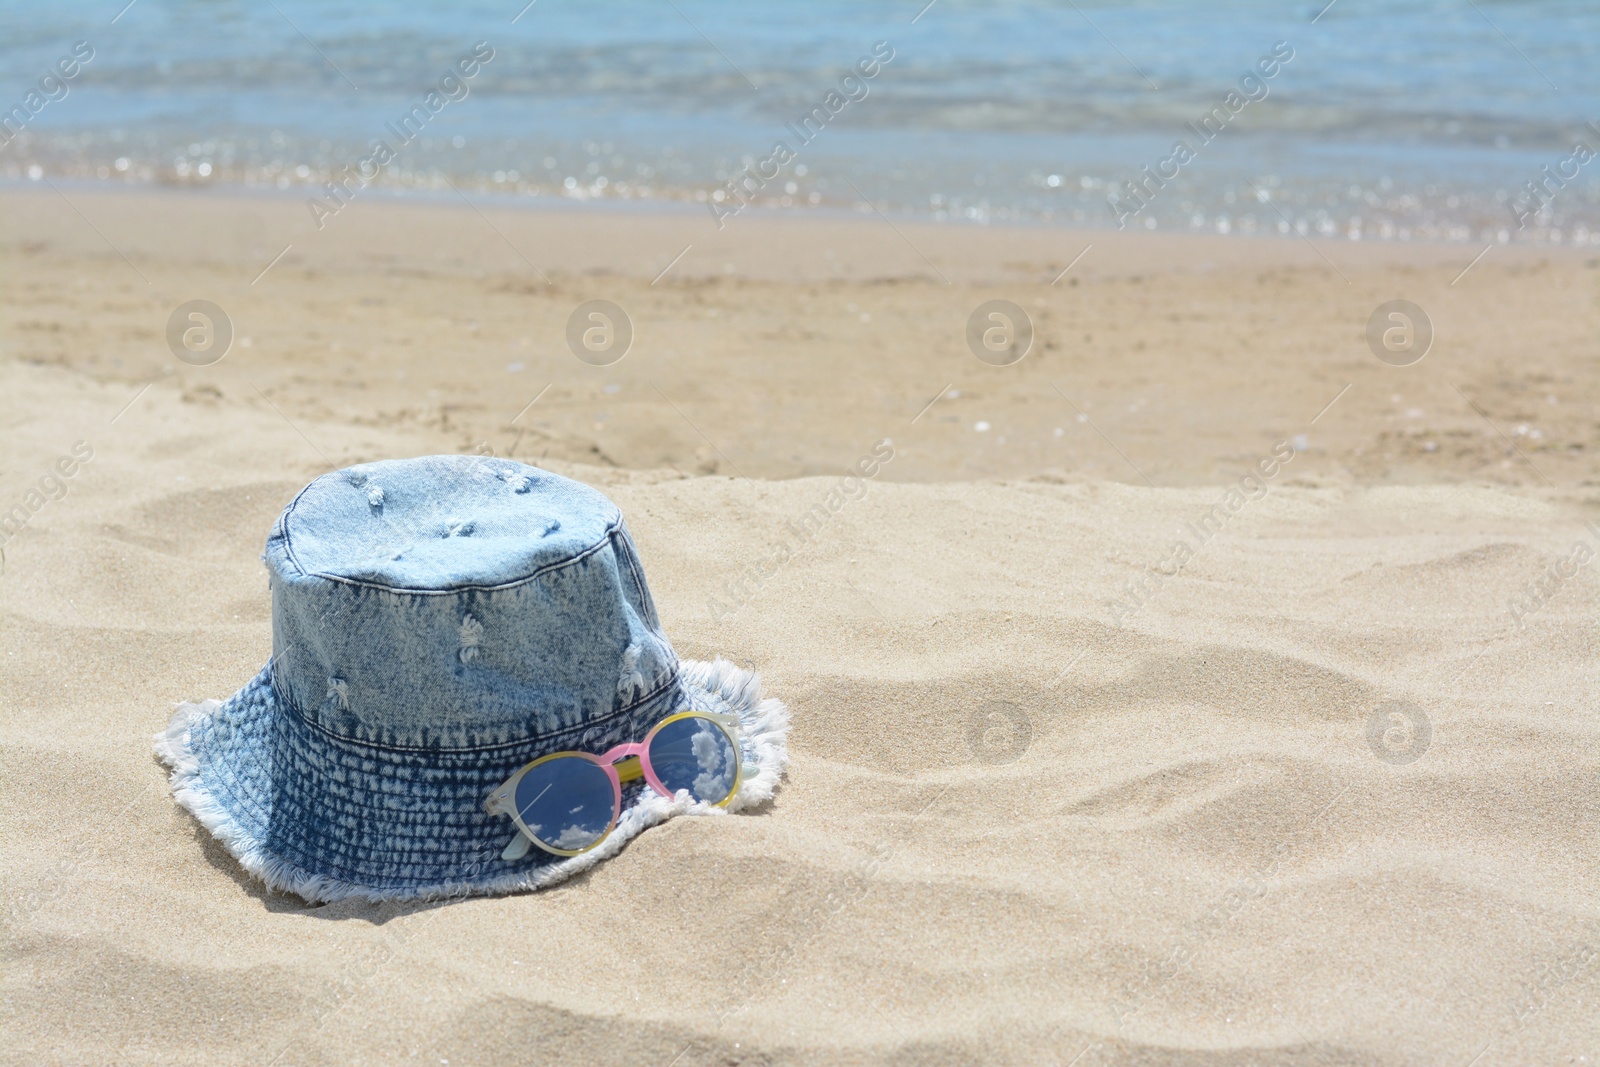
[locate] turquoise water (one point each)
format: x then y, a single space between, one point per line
1399 120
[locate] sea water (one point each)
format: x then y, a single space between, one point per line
1401 120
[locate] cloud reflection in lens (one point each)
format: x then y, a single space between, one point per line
568 803
697 755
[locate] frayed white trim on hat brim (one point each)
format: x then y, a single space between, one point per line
764 727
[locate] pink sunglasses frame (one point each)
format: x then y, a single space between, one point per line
616 763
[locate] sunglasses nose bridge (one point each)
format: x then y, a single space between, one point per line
617 753
628 767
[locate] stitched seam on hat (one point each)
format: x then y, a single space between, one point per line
646 601
288 551
578 557
280 529
671 680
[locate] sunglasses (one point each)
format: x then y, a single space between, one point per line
568 802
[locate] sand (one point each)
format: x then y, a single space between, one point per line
1047 801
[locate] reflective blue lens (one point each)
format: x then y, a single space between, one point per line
697 755
567 803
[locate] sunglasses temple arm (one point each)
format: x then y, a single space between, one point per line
517 847
733 723
520 842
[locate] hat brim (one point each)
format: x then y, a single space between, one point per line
307 816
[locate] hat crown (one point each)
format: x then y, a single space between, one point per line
459 602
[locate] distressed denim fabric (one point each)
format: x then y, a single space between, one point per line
437 623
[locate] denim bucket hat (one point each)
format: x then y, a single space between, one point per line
437 624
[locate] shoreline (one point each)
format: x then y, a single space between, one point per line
781 348
982 247
685 208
